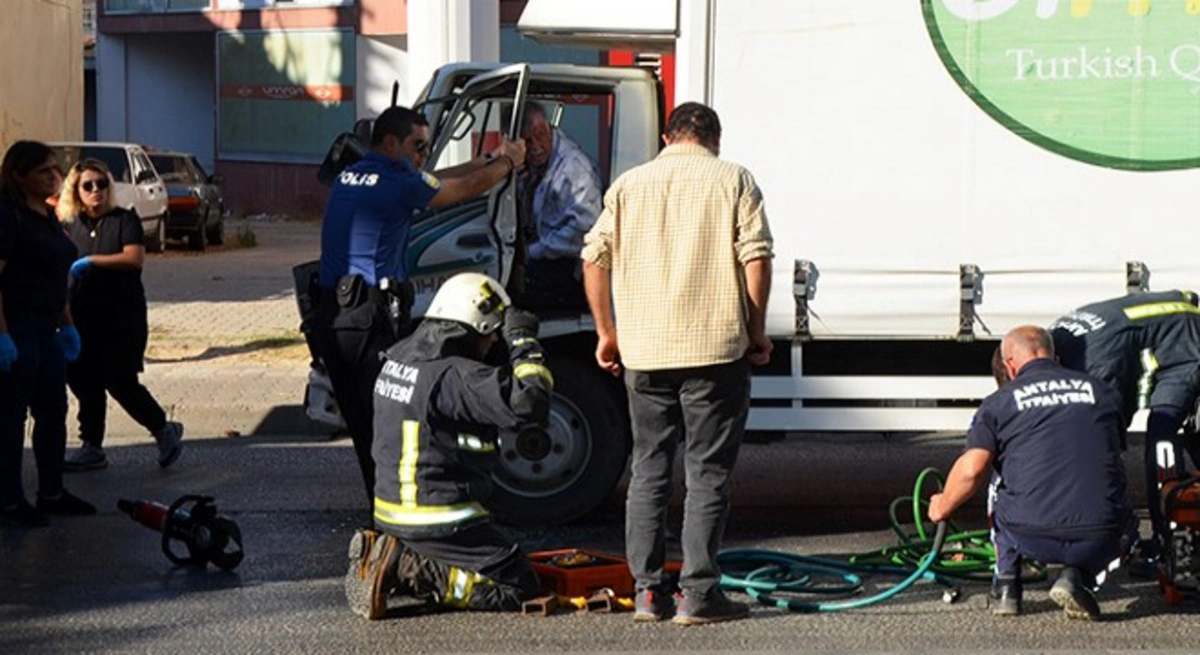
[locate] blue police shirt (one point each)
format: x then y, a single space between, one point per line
1055 437
366 225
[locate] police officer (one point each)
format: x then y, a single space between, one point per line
1147 346
438 409
1053 437
362 302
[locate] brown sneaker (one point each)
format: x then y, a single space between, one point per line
372 574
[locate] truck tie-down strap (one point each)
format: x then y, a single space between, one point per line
804 287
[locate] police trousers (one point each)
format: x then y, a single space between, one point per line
351 342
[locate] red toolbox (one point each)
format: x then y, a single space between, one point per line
575 572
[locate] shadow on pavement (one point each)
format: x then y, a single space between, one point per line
217 352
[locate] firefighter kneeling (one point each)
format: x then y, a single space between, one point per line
438 409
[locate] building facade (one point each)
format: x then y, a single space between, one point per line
258 89
42 84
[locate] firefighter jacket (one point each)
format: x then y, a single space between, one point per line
1146 345
438 412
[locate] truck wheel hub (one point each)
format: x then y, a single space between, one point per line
533 444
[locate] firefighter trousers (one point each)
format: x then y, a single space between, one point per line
476 567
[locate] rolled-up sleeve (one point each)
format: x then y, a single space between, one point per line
598 242
753 239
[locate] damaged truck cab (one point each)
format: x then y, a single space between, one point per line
562 472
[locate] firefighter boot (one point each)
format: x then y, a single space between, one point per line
372 575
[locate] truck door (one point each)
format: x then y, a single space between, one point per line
477 235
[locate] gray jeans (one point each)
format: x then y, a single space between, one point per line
705 409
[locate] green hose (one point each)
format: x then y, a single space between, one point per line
795 573
971 555
967 555
950 555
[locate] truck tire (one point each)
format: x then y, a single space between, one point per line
553 476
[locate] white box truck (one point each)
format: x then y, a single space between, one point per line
935 173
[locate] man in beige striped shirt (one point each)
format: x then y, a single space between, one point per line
681 259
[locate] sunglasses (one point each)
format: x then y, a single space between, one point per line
94 185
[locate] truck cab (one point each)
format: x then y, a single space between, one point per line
562 472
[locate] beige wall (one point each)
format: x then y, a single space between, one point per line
41 89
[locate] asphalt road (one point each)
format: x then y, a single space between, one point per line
101 584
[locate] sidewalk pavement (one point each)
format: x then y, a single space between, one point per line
225 355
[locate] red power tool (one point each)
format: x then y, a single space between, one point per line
1179 495
1179 571
192 520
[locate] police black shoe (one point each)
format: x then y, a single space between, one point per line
1005 596
65 504
1076 599
372 573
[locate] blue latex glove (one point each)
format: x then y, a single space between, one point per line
8 352
80 267
68 340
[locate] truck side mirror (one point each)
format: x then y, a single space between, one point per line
144 176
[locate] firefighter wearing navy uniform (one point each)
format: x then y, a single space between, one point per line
438 411
1053 437
1147 346
364 297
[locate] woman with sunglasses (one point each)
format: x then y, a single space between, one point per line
108 302
36 335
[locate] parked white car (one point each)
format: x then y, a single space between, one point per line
137 184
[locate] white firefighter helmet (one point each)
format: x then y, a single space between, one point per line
473 299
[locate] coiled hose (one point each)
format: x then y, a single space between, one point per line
951 554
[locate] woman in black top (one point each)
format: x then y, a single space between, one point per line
109 306
36 334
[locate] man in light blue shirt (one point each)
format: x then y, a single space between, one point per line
561 199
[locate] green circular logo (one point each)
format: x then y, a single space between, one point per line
1109 82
